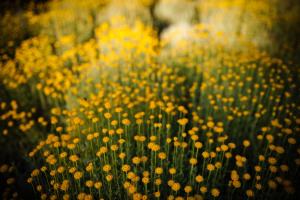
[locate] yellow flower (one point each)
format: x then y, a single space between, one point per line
126 168
29 180
43 169
162 155
155 147
292 140
118 110
114 147
63 155
72 170
181 109
203 189
272 160
98 185
10 181
158 170
126 122
89 183
171 182
122 155
107 105
107 115
182 121
74 158
210 167
246 143
199 179
126 184
158 181
198 145
284 168
106 168
176 187
105 139
249 193
188 189
172 170
210 124
52 173
136 160
272 184
131 189
193 161
89 167
66 197
261 158
33 173
258 186
114 122
224 147
120 131
236 184
215 192
279 149
65 185
205 154
145 180
109 177
89 136
234 175
157 194
78 175
257 168
60 169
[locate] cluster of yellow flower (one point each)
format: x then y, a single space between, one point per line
8 187
12 118
133 117
210 122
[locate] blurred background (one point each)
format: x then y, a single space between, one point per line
269 24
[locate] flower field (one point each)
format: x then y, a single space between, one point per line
99 100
